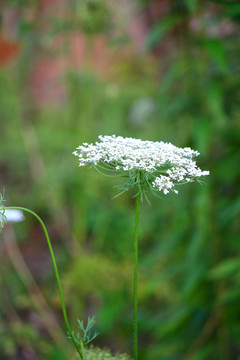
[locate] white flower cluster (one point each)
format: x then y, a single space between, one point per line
161 165
10 215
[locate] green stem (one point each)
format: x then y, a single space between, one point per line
135 282
56 273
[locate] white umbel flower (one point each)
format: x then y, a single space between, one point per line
151 165
11 215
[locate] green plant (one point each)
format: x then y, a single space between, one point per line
148 167
83 337
94 353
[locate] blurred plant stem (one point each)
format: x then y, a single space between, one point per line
135 281
38 169
29 111
32 287
56 273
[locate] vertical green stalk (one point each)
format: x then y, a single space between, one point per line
80 352
135 282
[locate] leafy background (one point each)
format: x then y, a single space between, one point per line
166 70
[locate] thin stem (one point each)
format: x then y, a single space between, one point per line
100 172
56 273
135 282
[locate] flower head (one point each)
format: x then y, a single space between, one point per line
12 215
149 165
9 215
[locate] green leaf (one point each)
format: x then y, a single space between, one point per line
191 5
225 269
161 28
216 50
230 295
232 9
176 320
215 104
192 281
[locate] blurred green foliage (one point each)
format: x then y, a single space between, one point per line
184 89
93 16
99 354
